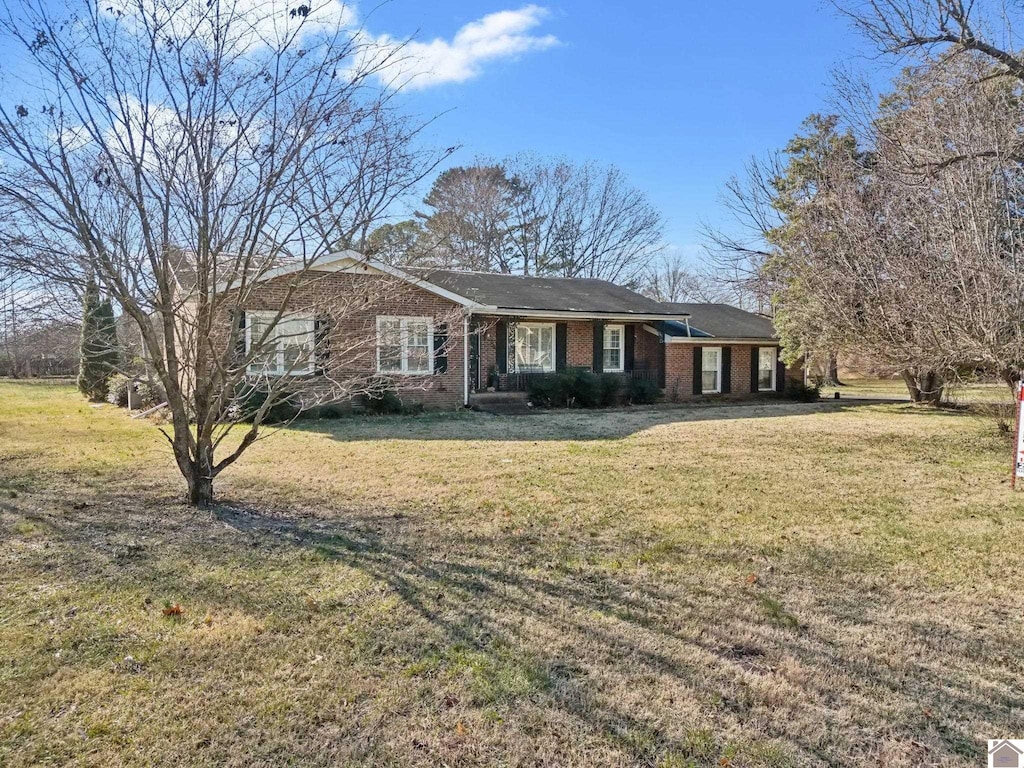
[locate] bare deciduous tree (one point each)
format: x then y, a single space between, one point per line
671 279
897 253
183 151
535 216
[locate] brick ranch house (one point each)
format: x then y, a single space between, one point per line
447 337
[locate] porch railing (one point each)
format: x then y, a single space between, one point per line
521 381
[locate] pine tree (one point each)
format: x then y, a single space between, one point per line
99 355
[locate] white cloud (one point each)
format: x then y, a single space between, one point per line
412 64
418 65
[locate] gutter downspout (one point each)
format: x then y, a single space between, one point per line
465 359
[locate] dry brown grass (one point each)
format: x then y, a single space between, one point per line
761 585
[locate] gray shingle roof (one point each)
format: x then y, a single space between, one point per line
558 294
721 321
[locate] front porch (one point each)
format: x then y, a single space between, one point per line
511 354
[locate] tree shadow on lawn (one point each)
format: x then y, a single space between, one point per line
565 424
679 659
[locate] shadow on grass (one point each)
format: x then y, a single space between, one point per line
608 652
576 424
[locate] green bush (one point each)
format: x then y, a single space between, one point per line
248 402
804 393
382 399
549 391
611 389
329 411
576 387
642 392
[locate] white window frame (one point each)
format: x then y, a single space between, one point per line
403 330
775 364
554 347
269 316
622 348
718 377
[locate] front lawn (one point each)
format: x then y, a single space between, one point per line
770 585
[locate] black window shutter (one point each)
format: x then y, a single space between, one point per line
698 370
501 346
755 367
321 344
726 370
240 345
561 342
598 346
441 348
780 373
629 348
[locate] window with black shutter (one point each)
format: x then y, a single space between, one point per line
561 343
698 370
598 348
501 346
726 370
441 348
321 344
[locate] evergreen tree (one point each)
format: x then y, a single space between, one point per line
99 355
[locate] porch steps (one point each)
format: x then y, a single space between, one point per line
501 403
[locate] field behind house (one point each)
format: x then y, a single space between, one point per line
769 585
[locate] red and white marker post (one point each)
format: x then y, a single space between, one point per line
1018 442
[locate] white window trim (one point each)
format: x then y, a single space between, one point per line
718 379
269 316
403 330
622 348
775 366
554 346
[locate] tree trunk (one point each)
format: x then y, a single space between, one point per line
200 480
924 387
198 469
833 371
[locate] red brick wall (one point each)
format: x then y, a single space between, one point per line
580 344
679 370
354 302
645 348
580 347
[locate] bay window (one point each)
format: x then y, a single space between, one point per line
613 356
288 347
766 361
535 347
404 345
711 370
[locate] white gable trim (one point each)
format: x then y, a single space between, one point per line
353 262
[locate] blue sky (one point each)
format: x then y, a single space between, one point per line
677 94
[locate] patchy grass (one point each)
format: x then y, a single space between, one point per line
770 585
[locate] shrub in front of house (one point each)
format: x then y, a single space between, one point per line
248 402
381 398
642 392
804 393
576 388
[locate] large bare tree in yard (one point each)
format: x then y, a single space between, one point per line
181 151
